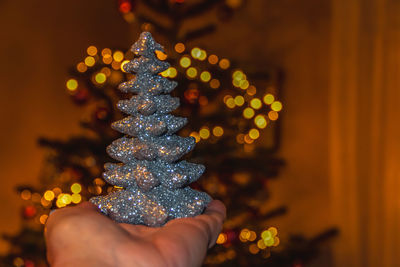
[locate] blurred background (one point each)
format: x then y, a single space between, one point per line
294 105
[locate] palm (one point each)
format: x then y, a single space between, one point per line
82 235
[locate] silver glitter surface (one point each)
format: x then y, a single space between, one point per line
155 184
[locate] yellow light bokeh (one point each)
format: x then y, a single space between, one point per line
196 136
245 233
76 198
100 78
218 131
213 59
239 100
185 62
256 103
204 133
224 63
254 133
251 90
203 55
49 195
230 102
90 61
238 75
65 199
161 55
205 76
244 84
248 113
221 238
260 121
276 106
266 235
191 72
91 50
196 52
180 47
81 67
26 194
123 64
118 56
72 84
170 72
273 115
43 218
214 83
76 188
273 231
268 99
261 244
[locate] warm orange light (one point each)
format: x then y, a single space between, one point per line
218 131
196 136
81 67
91 50
179 47
273 115
204 133
89 61
213 59
160 55
118 56
224 63
214 83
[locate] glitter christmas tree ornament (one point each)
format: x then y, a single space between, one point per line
155 184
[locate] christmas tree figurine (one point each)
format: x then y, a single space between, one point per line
155 184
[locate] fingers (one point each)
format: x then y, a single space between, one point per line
213 217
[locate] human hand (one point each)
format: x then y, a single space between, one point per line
82 236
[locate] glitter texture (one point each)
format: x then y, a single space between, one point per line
155 185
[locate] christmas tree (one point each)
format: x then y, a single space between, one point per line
151 176
234 116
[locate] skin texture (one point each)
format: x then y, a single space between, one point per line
82 236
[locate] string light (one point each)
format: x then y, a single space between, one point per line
118 56
224 63
213 59
248 113
251 90
76 198
218 131
123 64
100 78
204 133
205 76
26 194
43 218
107 59
106 52
81 67
72 84
160 55
273 115
239 100
76 188
214 83
230 102
254 133
91 50
256 103
191 72
276 106
185 62
90 61
179 47
49 195
268 99
260 121
196 52
222 238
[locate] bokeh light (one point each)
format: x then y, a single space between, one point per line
191 72
72 84
260 121
76 188
239 100
100 78
91 50
276 106
273 115
268 99
118 56
213 59
179 47
214 83
49 195
218 131
204 133
248 113
224 63
90 61
205 76
254 133
185 62
81 67
256 103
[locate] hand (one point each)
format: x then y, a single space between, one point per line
82 236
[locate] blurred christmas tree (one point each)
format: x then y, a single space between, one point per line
233 116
